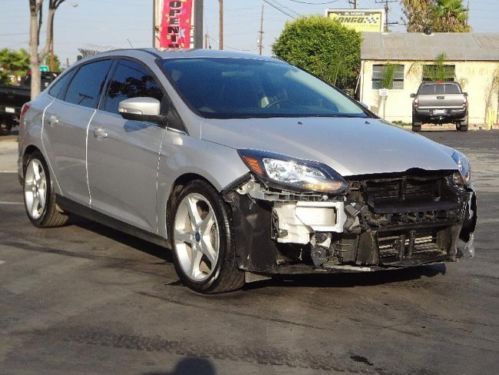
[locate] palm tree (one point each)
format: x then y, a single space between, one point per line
451 16
418 14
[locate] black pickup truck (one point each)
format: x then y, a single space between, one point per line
13 97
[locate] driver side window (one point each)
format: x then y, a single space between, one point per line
130 80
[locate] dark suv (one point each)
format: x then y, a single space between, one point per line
439 103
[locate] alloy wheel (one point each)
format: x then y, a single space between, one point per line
35 189
196 237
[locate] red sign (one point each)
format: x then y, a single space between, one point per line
176 24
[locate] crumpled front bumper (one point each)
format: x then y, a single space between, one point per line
279 232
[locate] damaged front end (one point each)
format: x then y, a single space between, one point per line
376 222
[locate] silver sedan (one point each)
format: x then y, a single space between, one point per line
244 166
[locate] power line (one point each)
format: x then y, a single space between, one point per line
230 47
310 3
279 9
12 34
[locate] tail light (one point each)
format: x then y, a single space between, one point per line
465 102
24 109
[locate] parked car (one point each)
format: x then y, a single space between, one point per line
242 165
12 98
439 103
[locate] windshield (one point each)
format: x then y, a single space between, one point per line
244 88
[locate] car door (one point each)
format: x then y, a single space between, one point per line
123 155
65 128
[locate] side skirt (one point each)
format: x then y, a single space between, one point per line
92 215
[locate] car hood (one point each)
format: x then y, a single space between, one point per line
352 146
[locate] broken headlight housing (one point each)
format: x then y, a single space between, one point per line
464 168
293 174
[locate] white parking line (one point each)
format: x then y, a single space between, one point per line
11 203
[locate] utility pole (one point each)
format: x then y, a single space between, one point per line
206 41
353 3
260 39
387 11
198 23
221 24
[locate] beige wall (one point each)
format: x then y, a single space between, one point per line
475 77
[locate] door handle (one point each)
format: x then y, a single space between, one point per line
100 133
53 120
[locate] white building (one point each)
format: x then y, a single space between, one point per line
472 59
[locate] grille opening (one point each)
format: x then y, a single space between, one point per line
403 190
412 245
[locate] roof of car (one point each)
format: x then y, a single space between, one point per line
190 53
440 83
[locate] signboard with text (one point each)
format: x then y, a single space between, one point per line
173 24
361 20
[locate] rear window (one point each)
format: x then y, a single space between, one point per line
58 90
87 84
439 89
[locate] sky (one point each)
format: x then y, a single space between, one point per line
109 24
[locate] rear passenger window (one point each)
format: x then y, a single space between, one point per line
87 84
59 88
130 80
452 89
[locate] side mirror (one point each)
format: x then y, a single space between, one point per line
413 95
142 109
465 94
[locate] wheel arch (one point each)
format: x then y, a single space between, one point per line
178 185
29 150
23 160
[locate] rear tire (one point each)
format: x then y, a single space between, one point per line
201 237
4 128
416 125
39 197
462 126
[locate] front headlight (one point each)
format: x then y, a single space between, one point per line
463 166
294 174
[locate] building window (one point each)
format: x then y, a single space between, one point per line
446 73
388 76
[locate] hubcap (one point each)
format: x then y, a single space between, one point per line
35 189
196 237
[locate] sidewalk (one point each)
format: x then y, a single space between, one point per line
8 154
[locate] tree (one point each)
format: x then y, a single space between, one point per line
438 72
36 56
53 63
451 16
13 64
419 14
435 15
323 47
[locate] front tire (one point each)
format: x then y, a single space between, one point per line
201 238
39 197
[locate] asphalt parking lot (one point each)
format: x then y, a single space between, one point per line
86 299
